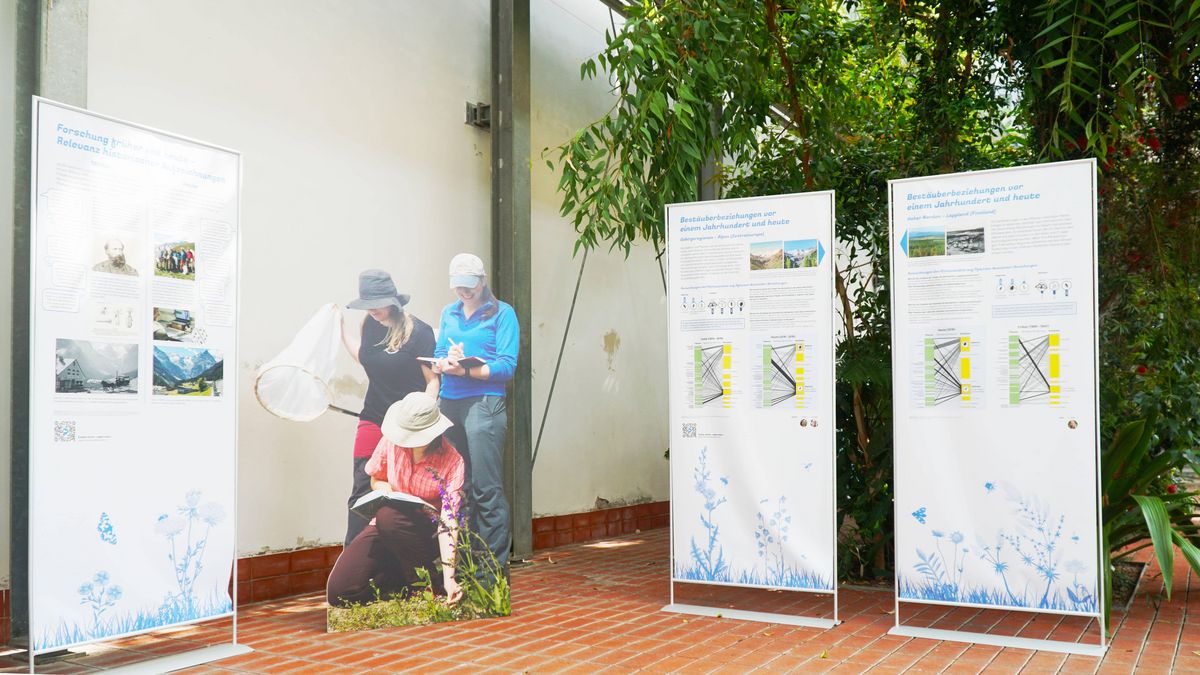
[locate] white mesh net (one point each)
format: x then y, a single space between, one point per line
295 384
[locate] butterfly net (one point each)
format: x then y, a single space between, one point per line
295 384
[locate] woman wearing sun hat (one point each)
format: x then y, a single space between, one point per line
387 342
412 457
479 325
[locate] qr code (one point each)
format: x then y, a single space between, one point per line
689 429
64 431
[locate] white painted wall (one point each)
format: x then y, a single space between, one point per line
606 429
349 117
8 37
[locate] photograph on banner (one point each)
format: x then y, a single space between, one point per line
92 367
995 351
117 253
127 552
174 257
752 462
188 371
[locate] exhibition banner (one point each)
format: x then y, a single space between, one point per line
132 425
994 348
752 392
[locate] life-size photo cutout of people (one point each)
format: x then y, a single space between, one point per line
411 563
386 342
482 333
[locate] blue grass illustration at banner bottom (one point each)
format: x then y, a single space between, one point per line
145 619
1032 542
186 532
707 560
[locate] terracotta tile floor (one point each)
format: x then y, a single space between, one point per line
595 607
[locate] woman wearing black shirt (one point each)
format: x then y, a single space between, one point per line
387 344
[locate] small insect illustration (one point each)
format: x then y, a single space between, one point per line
919 514
105 528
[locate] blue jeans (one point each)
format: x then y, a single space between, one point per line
480 423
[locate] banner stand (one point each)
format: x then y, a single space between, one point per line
1019 252
752 388
153 203
196 657
763 617
1056 646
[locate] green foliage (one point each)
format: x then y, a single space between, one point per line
486 593
794 95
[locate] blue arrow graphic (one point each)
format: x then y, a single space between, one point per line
820 252
904 243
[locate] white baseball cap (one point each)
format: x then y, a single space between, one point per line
466 270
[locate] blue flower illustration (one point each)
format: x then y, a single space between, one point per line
100 596
919 514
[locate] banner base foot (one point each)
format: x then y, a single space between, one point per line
183 660
764 617
1001 640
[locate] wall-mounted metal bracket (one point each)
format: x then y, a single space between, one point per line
479 115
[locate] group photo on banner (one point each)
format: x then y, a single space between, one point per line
427 521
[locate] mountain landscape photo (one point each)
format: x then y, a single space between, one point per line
766 255
188 371
83 366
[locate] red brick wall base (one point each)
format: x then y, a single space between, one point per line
551 531
279 575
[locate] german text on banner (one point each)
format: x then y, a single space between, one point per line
132 426
994 366
751 391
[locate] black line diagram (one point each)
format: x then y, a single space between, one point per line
711 375
1034 369
783 373
947 370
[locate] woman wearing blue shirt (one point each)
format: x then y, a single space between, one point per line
479 325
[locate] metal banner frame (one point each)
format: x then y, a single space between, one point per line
899 629
193 657
828 404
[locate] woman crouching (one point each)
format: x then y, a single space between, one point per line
412 457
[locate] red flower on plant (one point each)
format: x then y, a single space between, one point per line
1141 370
1180 100
1154 144
1172 488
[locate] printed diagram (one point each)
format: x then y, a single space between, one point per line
783 372
1034 369
947 370
695 305
711 379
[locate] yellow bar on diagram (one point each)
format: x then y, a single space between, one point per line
1054 366
965 367
1053 339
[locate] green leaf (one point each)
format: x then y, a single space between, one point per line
1120 29
1159 525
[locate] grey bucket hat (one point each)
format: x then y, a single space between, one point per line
376 291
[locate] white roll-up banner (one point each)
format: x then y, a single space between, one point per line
132 425
994 349
752 392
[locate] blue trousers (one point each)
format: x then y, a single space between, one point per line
480 423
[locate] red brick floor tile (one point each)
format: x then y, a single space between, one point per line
597 609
